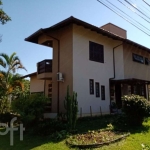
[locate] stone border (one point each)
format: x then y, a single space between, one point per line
99 144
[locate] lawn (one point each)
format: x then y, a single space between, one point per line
138 136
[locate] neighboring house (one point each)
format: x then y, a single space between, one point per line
100 64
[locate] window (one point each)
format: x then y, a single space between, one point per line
96 52
49 104
146 61
50 85
91 86
138 58
50 90
97 89
103 92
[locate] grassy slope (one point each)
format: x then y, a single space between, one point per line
134 141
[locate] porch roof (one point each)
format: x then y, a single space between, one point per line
29 75
129 81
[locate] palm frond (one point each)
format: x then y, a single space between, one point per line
12 56
8 79
16 64
22 67
1 75
6 57
16 81
2 63
3 72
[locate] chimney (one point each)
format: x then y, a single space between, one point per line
115 30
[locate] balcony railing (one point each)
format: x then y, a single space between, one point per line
44 66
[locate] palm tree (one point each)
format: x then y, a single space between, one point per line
9 80
10 63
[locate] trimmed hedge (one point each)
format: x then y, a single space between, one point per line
137 108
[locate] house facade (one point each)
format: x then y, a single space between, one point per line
99 63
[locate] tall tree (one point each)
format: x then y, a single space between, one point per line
3 16
9 80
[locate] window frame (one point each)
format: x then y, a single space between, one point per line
96 52
146 61
142 61
91 86
97 89
102 92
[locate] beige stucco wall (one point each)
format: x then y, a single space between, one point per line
119 62
65 37
43 38
36 85
134 69
84 69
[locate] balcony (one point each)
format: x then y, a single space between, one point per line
44 69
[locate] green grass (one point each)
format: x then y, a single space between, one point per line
139 135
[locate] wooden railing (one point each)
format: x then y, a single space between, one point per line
44 66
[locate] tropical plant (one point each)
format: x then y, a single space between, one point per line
4 105
18 90
30 108
71 106
9 79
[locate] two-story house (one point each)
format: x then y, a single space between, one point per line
99 63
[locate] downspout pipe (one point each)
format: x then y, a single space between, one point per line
114 60
58 68
113 70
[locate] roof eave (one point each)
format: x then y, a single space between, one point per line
34 37
71 20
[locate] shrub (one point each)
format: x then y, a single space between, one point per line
5 114
71 106
136 108
7 117
4 104
30 108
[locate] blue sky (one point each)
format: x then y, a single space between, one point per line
30 15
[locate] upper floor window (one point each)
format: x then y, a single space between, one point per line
138 58
146 61
96 52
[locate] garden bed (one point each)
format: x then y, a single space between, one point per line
94 139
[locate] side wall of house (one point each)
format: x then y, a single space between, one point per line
36 85
84 69
119 63
66 63
134 69
64 35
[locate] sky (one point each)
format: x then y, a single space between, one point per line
29 16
